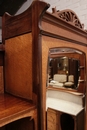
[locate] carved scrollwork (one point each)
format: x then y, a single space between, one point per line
68 16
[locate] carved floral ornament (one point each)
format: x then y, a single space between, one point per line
68 16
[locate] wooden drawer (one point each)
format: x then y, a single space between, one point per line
52 116
51 126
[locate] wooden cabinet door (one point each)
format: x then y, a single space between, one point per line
52 120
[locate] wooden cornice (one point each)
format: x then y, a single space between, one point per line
56 20
68 16
56 24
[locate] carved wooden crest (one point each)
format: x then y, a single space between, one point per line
69 16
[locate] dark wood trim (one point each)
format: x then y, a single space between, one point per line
2 50
17 25
38 9
52 19
62 38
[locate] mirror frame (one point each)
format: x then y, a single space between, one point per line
70 53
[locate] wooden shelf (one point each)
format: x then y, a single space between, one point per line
13 108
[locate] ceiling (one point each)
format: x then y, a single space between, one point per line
10 6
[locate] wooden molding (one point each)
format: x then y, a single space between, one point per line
68 16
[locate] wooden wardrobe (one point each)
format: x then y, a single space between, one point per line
28 40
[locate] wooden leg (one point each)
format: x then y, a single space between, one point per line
35 120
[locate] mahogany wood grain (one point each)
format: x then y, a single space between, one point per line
38 10
16 27
63 30
48 31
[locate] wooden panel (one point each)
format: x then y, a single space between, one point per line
52 119
52 116
51 126
18 66
16 25
13 27
1 80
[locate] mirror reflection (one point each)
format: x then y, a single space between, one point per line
64 68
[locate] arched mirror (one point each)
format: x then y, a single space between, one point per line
66 69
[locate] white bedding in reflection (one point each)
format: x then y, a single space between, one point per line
55 83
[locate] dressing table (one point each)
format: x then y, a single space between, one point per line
29 41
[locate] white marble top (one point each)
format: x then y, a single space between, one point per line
63 106
65 102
